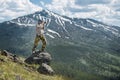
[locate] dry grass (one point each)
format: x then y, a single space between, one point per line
13 71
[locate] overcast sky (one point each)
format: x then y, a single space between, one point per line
107 11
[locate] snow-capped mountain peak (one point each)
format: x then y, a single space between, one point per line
63 24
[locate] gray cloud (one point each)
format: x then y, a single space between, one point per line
84 9
118 9
103 10
107 11
88 2
12 8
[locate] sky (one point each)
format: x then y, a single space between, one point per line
107 11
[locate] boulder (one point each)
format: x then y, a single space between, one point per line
6 53
11 56
45 69
39 58
2 60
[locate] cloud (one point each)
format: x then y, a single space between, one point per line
107 11
14 8
88 2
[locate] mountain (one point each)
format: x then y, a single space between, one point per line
81 45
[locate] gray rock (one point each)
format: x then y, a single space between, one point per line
6 53
11 56
39 58
2 60
45 69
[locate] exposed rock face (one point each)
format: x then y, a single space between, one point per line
43 59
11 56
45 69
39 58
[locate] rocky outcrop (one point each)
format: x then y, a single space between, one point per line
45 69
39 58
43 59
11 56
2 60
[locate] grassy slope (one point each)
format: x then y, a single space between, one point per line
10 70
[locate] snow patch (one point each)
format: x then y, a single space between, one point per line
60 20
34 16
93 24
50 35
56 21
8 22
106 28
53 32
112 30
83 61
82 27
85 28
23 24
58 16
66 37
48 22
49 12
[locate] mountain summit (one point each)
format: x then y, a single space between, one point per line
62 28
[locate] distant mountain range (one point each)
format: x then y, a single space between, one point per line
85 44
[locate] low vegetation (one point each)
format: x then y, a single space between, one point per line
10 70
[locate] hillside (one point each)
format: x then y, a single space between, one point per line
10 70
81 48
14 68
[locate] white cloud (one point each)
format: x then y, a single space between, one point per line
10 9
61 6
84 14
106 11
